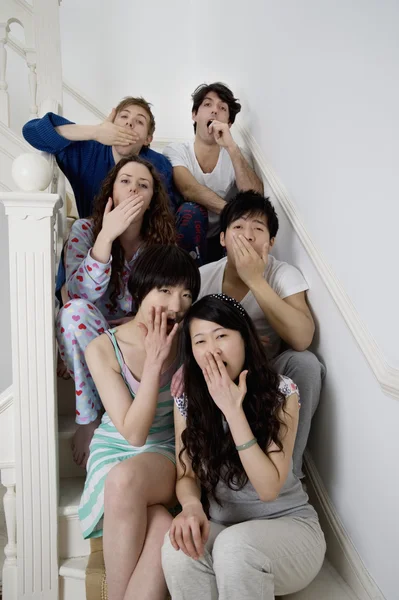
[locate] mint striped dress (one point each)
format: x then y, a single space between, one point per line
108 447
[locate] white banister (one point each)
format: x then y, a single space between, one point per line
31 62
31 219
48 50
9 581
4 99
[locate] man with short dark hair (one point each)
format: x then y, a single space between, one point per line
207 169
86 153
274 295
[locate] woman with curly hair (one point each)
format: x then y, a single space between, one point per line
235 431
131 212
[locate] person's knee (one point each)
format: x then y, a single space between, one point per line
173 561
303 364
233 554
74 312
194 209
123 486
159 519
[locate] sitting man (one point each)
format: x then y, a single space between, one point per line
273 294
86 153
206 169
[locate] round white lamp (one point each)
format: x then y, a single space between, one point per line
31 172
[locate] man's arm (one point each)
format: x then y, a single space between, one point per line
246 178
53 133
193 191
290 317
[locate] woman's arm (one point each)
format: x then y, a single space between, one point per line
188 490
190 529
86 277
267 472
132 419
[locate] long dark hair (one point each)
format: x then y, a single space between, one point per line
209 447
158 224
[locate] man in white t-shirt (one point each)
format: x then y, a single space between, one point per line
207 169
274 295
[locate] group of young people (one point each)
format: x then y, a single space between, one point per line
187 341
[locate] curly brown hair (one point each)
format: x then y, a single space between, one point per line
158 225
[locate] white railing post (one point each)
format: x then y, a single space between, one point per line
9 580
4 99
31 219
48 50
31 62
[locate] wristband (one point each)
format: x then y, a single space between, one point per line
246 445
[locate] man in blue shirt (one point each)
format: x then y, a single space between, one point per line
86 153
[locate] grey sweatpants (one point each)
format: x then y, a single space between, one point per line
307 372
255 560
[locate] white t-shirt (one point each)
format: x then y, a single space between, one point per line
221 180
283 278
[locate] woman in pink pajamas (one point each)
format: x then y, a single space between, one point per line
130 212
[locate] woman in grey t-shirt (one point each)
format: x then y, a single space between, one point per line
256 535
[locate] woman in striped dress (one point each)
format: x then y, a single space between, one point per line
131 467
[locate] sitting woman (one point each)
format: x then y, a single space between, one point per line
235 432
131 469
130 213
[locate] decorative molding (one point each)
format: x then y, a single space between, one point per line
340 549
16 45
4 188
25 6
6 399
99 112
387 376
83 100
15 139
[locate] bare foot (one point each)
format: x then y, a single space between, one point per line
62 370
81 442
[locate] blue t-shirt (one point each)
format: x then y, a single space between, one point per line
86 164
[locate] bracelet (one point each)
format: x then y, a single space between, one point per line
246 445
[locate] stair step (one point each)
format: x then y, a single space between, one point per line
328 585
72 578
66 430
71 541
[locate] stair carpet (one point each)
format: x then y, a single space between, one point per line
74 550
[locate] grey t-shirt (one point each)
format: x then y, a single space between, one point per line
283 278
242 505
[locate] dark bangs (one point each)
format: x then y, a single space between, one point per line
163 266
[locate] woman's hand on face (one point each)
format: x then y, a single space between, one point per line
190 530
117 220
157 341
225 393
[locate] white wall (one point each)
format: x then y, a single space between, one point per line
318 83
320 91
148 50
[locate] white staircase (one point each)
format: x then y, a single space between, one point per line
42 483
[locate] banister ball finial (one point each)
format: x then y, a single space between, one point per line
31 172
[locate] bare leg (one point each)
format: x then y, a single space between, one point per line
148 581
130 488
